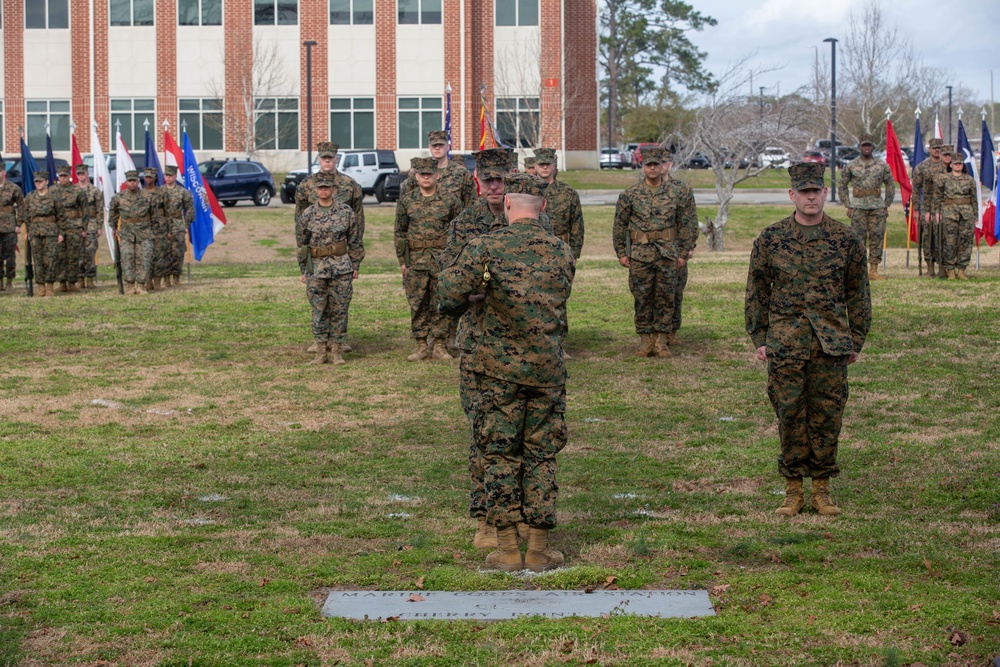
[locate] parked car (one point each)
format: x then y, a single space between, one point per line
235 180
814 156
637 156
629 151
845 154
13 165
369 167
773 157
612 158
698 160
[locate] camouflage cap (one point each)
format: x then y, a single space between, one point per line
170 170
64 170
655 155
524 184
423 165
935 142
437 137
41 176
947 149
149 172
131 175
866 138
529 162
807 175
545 156
324 179
82 169
492 163
327 149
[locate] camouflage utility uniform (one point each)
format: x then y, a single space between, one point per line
95 204
158 228
955 198
923 180
345 191
861 185
178 214
808 302
11 201
44 217
77 210
455 179
564 210
330 251
133 214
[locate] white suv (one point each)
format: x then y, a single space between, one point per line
774 158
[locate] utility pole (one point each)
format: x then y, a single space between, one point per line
833 117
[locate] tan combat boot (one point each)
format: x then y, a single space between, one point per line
942 272
149 285
73 286
334 353
440 352
129 288
345 348
321 353
63 286
930 269
486 535
81 283
314 347
50 289
952 274
421 352
647 346
873 273
821 500
10 284
794 500
91 283
507 557
539 558
522 532
671 338
142 289
962 275
662 347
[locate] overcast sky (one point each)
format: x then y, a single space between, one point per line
960 36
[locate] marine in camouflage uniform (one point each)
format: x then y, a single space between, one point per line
562 203
423 218
526 274
43 216
866 206
808 310
655 226
954 200
161 256
178 214
132 213
923 179
330 251
529 166
345 189
95 206
74 229
453 177
11 200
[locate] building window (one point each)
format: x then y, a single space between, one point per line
199 12
204 122
276 12
276 123
348 12
131 12
516 12
419 11
518 121
352 121
417 117
46 14
132 115
51 113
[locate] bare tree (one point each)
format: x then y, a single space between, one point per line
732 128
517 76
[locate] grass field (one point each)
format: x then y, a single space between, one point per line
178 488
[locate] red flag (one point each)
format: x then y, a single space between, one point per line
894 157
75 159
988 227
174 155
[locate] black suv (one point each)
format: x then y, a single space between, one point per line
13 166
233 180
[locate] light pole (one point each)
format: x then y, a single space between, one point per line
833 117
949 116
309 104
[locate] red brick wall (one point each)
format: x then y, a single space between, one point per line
79 22
238 17
550 69
479 23
102 108
314 20
581 98
13 72
166 69
385 68
453 63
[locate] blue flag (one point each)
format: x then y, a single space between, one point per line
202 229
964 148
447 117
152 161
50 162
918 146
28 169
987 171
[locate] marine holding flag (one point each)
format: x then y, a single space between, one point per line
954 199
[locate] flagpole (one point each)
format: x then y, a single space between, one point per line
885 233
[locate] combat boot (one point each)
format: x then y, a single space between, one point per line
671 338
129 288
141 289
821 500
930 269
63 286
952 274
794 499
662 347
873 273
962 275
507 557
321 353
539 558
439 352
149 285
334 353
10 284
72 287
522 532
647 346
50 289
486 535
177 280
345 348
421 352
314 347
942 273
90 283
81 283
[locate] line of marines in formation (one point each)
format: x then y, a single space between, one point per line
64 221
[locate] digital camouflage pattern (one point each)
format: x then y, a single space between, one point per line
468 392
77 211
923 182
808 302
345 191
867 175
518 395
455 179
564 210
44 217
159 228
132 215
11 200
95 206
420 236
653 277
178 214
955 198
679 285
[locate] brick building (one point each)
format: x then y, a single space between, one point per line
235 72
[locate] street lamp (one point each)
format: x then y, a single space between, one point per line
949 116
309 104
833 117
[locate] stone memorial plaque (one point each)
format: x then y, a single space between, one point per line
501 605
